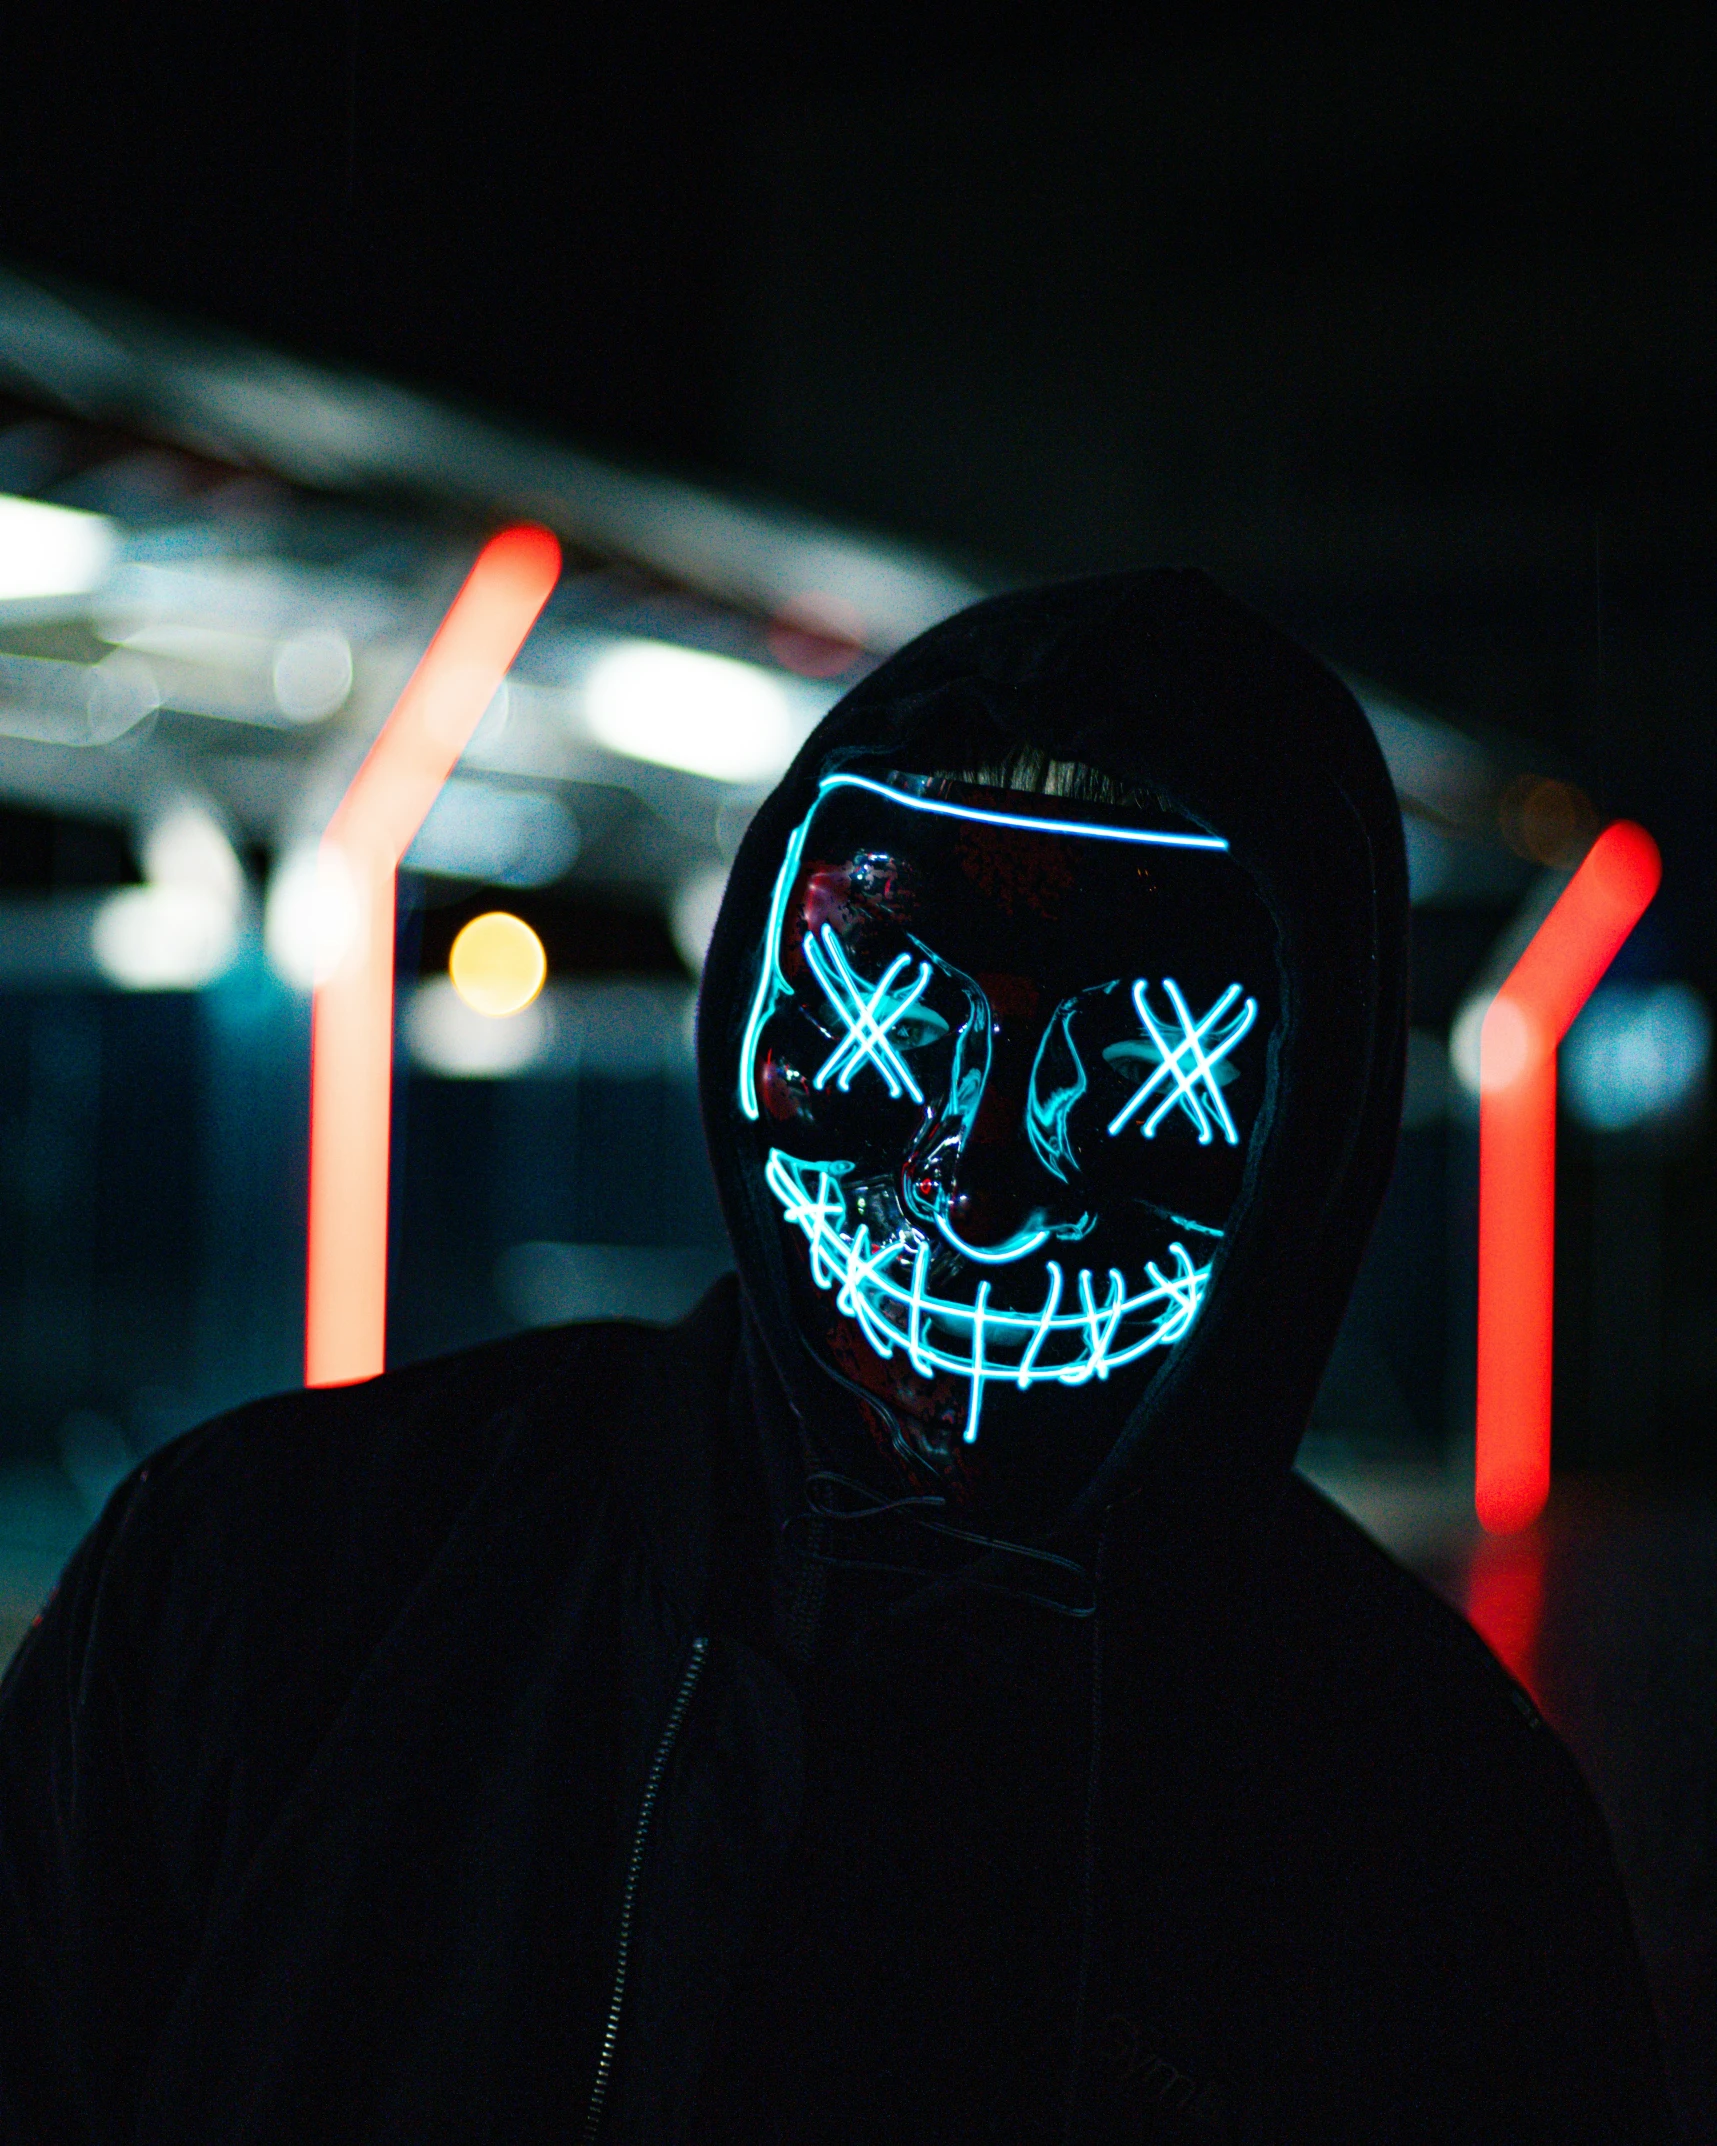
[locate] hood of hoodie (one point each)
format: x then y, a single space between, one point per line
1160 680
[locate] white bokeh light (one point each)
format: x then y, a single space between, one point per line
1464 1036
1637 1053
312 674
186 847
178 931
450 1037
312 916
51 551
162 938
709 715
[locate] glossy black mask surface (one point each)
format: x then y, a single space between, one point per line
1002 1079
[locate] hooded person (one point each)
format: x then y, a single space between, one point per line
913 1698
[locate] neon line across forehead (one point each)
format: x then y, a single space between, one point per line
940 806
770 981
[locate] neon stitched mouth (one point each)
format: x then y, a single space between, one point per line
882 1288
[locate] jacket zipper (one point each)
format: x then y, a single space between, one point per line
628 1899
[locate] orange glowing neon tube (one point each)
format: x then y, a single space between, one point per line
1525 1023
351 1051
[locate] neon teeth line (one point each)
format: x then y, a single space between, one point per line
866 1040
882 1289
1185 1093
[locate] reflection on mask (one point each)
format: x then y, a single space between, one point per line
981 1037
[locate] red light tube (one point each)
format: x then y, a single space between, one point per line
1523 1026
1505 1602
351 1050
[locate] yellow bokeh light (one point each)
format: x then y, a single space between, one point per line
497 964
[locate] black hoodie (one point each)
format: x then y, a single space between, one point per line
521 1746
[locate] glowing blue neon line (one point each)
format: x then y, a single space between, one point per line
915 1313
1100 1325
1046 1319
1186 1287
975 1403
866 1040
870 1291
1046 1123
1168 1066
1004 1255
1184 1093
1206 1065
853 1263
1016 819
770 981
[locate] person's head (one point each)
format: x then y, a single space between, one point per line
1002 1065
1050 1050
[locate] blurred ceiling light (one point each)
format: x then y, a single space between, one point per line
497 965
162 938
57 703
241 676
312 676
51 551
121 691
1512 1045
180 930
692 914
1636 1053
266 603
445 1035
681 708
184 641
501 837
310 917
186 847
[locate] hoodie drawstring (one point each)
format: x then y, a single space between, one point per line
824 1512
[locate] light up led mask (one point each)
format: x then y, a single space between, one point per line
1003 1059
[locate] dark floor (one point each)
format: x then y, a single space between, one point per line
1607 1612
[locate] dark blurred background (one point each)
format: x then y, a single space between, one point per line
1398 322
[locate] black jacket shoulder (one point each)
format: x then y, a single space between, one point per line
299 1580
309 1516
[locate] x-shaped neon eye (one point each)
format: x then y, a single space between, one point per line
1188 1062
866 1016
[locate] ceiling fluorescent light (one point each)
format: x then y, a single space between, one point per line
51 551
680 708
